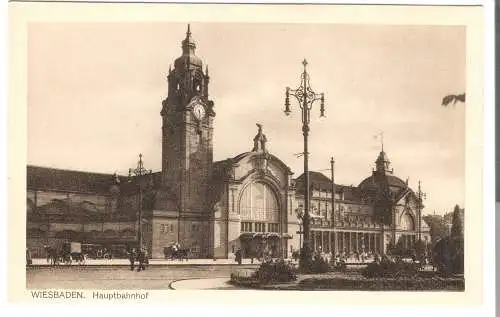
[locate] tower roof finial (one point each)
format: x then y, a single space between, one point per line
382 162
188 44
382 141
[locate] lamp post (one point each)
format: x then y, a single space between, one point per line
300 217
420 199
137 176
305 97
332 163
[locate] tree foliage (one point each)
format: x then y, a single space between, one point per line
420 249
399 249
437 225
448 255
457 229
453 99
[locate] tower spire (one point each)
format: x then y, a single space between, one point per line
188 45
382 163
382 141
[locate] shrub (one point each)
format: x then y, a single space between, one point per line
384 284
279 271
319 265
448 255
315 266
387 268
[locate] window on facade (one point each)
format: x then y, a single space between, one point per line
407 222
258 203
36 233
195 228
166 228
195 249
273 227
246 227
260 227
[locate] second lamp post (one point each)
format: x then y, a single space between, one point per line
138 177
305 97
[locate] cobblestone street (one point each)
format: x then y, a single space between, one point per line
87 277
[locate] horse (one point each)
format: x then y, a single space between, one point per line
52 255
179 254
78 257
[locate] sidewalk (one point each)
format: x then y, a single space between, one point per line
202 284
152 262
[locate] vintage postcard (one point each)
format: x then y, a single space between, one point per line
164 148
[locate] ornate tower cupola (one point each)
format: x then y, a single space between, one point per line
187 80
383 164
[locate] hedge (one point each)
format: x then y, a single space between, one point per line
360 284
385 284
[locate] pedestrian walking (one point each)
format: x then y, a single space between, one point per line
141 260
47 253
238 256
28 257
132 256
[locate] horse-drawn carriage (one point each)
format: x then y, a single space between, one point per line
173 253
66 253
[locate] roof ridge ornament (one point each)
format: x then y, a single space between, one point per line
260 140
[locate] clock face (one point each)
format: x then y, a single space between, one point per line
198 111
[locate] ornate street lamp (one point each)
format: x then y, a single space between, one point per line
420 206
299 213
138 177
305 97
332 167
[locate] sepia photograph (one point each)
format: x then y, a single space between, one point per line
237 171
233 155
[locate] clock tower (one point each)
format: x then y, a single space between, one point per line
187 132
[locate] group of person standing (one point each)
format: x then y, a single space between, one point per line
175 246
263 255
141 257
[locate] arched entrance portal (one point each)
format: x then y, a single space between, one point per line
260 221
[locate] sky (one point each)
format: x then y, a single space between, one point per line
95 93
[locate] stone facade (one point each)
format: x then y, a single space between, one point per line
248 202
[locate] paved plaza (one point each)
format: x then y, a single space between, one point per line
155 277
203 284
152 262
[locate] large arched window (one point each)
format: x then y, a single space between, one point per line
258 203
407 222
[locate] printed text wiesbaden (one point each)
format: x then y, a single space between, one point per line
57 294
